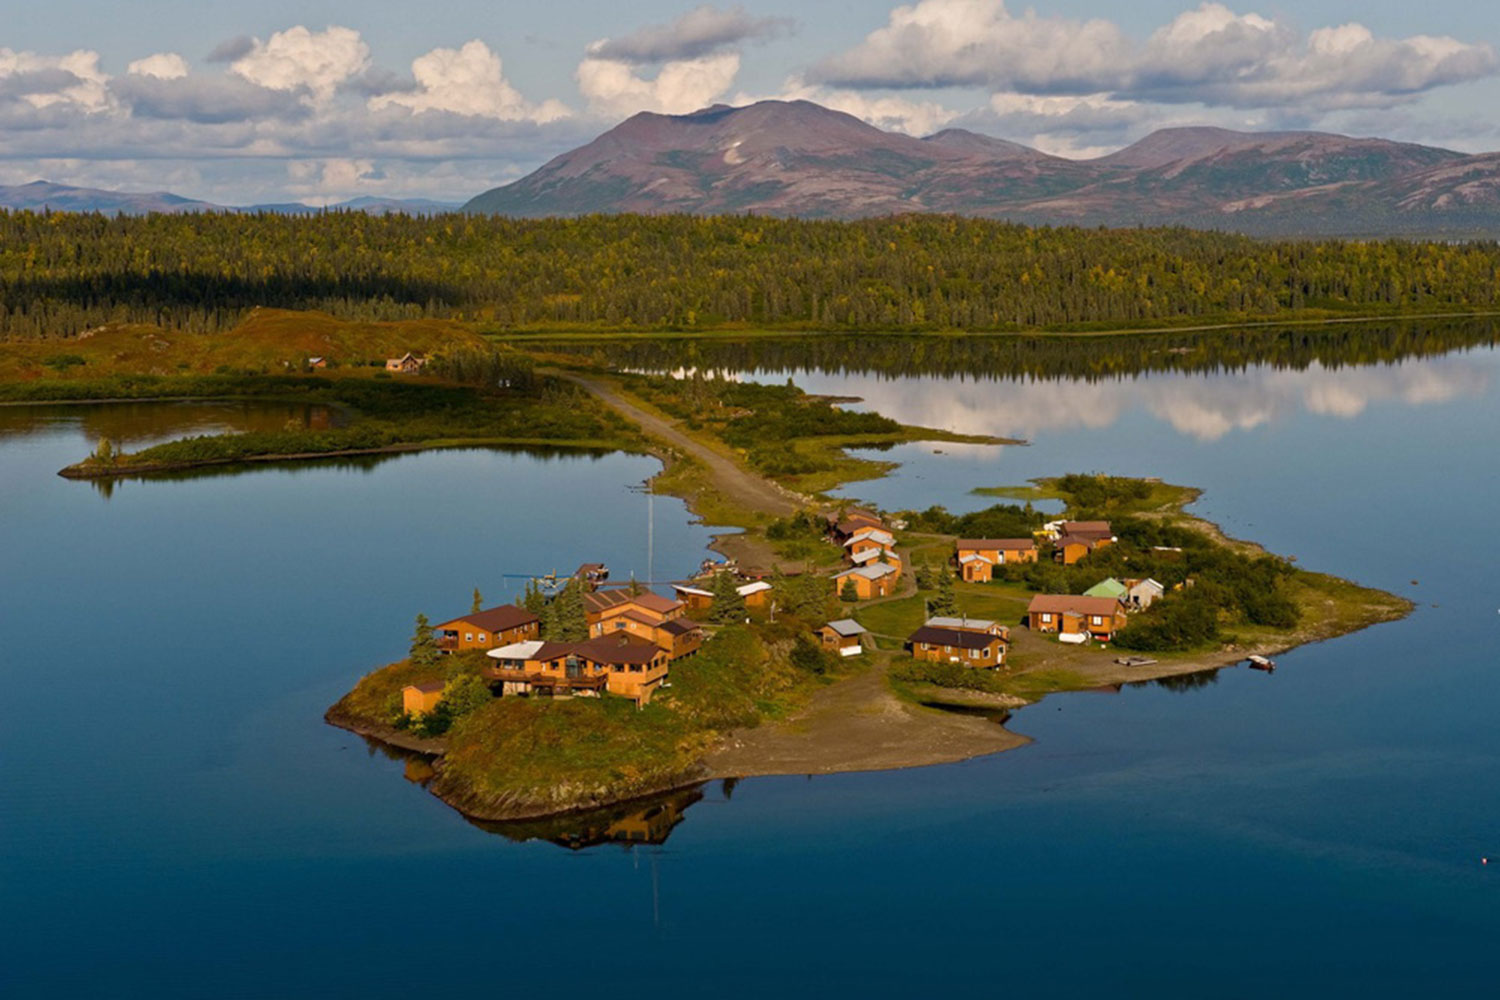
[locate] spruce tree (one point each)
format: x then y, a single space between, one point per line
729 605
424 649
478 604
849 592
944 602
534 601
572 619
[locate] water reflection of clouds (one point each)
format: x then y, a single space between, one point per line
1205 407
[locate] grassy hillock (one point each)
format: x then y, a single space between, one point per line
518 757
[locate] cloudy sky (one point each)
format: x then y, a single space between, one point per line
321 100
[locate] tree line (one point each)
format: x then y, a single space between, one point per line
64 273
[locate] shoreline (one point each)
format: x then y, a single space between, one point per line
757 333
82 471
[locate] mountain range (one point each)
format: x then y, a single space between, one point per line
800 159
796 158
40 195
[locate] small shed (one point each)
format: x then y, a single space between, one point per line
843 636
1143 593
419 699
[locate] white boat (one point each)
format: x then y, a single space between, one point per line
1258 662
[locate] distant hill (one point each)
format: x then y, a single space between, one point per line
63 198
800 159
40 195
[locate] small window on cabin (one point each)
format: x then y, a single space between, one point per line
481 637
635 668
1046 617
468 637
620 625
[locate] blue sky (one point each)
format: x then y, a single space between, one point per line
326 100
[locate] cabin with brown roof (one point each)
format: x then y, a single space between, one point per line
978 557
694 597
646 616
419 699
499 626
971 648
1068 614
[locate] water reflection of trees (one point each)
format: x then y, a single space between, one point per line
1183 683
641 822
1084 357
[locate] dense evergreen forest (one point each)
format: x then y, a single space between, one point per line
61 274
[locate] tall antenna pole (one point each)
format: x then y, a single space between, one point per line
650 535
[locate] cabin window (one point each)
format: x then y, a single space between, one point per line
1046 617
635 668
620 625
1098 620
468 637
481 637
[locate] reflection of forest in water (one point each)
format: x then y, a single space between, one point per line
137 423
1080 356
1203 386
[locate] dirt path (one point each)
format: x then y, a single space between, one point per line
745 488
858 725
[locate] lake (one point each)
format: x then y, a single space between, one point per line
178 821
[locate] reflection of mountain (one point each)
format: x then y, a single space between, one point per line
645 821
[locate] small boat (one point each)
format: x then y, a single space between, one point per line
1258 662
1134 661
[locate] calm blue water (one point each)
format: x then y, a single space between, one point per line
177 821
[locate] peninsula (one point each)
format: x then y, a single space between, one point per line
835 638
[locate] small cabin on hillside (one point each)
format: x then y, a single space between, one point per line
498 626
844 636
407 364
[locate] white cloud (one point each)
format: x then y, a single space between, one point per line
44 81
613 87
468 81
162 66
299 59
1208 55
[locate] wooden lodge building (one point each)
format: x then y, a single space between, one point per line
1071 615
646 616
620 664
499 626
978 557
1076 539
968 641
